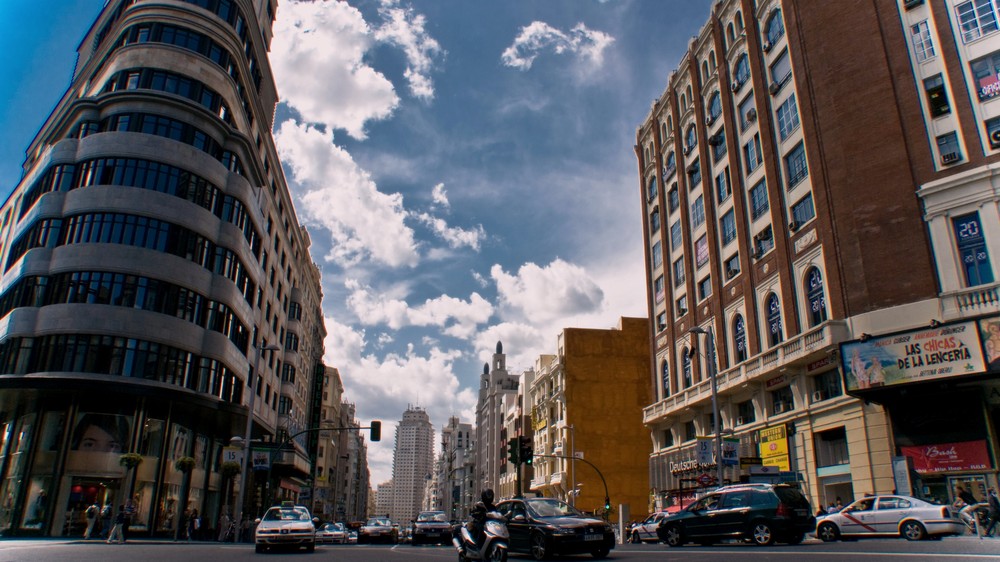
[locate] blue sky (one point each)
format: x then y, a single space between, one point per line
465 169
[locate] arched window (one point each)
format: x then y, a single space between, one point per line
730 33
684 102
654 221
715 106
691 139
670 123
741 71
711 61
816 297
690 94
651 190
739 21
774 28
665 377
773 307
663 133
686 365
704 72
740 338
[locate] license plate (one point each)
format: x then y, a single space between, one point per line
433 534
593 537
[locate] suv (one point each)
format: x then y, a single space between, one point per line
759 513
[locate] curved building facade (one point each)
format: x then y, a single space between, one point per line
149 251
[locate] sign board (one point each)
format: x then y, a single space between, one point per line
730 451
261 459
232 454
705 479
703 450
774 447
901 467
948 457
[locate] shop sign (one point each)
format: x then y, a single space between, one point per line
949 457
771 383
691 465
704 451
774 447
917 356
261 459
747 462
730 451
816 365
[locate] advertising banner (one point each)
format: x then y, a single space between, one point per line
261 459
948 457
928 354
730 451
774 447
704 453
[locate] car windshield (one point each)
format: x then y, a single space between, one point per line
283 514
551 508
333 527
432 516
379 523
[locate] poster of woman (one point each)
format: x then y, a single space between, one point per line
97 441
989 331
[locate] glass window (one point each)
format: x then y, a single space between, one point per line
705 288
669 167
658 289
816 297
679 271
732 267
975 260
741 71
675 235
654 221
694 170
795 165
701 251
682 305
774 28
673 199
665 377
661 321
937 97
722 186
657 254
765 240
728 226
948 148
718 143
803 211
748 113
651 190
690 433
714 106
773 308
923 46
788 117
782 400
745 413
986 73
828 385
752 154
691 140
758 200
698 212
781 69
740 338
686 363
976 18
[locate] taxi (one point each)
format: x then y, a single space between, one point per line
287 525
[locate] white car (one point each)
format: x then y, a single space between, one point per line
333 533
890 516
645 530
286 525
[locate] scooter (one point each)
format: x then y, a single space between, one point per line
494 547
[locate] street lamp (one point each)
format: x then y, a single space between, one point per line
710 357
245 478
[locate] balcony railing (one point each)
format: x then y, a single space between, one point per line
972 300
808 346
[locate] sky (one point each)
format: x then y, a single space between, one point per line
465 169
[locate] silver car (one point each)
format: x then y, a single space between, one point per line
890 516
332 533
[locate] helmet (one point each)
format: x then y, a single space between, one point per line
487 496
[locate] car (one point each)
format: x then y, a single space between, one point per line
287 525
890 516
542 527
332 533
352 537
431 527
758 513
377 529
645 530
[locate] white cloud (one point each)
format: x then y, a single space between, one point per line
543 294
439 196
405 28
455 237
343 199
539 36
456 317
318 59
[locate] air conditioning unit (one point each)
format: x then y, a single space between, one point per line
793 226
682 311
780 407
688 149
767 46
773 88
757 254
995 139
714 140
907 4
736 86
709 120
740 421
950 157
751 115
730 272
819 396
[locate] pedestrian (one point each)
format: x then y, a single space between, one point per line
193 525
224 522
117 534
106 515
131 511
93 516
994 503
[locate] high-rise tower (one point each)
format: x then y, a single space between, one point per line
412 464
149 251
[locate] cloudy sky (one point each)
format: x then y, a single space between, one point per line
465 169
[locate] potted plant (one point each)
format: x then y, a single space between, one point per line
130 460
231 468
184 464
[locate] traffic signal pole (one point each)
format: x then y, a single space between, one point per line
607 498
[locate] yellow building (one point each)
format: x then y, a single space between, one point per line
587 402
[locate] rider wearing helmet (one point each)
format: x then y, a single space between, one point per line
479 511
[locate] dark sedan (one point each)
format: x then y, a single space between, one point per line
431 527
542 527
377 529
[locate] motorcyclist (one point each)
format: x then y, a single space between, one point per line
478 524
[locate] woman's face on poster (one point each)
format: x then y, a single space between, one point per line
97 440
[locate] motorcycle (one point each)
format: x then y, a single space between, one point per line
494 547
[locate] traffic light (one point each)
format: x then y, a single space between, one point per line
376 429
513 451
607 503
527 450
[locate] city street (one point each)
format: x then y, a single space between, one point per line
48 550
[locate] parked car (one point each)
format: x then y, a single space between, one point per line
286 525
645 530
891 516
759 513
542 527
431 527
377 529
332 533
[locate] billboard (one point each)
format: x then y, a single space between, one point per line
774 447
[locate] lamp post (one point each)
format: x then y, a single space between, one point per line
245 478
710 357
572 465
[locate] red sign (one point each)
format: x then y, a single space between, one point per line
947 457
705 479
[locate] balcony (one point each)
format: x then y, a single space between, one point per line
807 347
971 301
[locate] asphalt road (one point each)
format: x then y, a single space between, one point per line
958 549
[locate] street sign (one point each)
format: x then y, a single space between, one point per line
705 479
703 450
730 451
232 454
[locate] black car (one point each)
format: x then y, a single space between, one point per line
543 527
431 527
759 513
378 529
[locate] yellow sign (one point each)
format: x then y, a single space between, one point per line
774 447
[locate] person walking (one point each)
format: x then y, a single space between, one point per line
117 532
93 516
193 525
107 514
131 511
994 512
